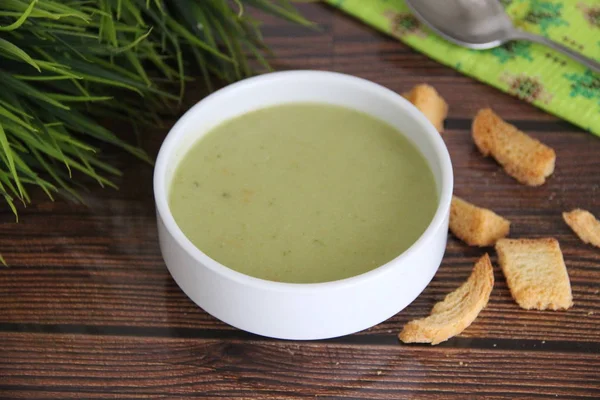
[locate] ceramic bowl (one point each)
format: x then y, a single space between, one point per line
302 311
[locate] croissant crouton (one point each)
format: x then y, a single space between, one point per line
585 225
524 158
536 273
430 103
457 311
476 226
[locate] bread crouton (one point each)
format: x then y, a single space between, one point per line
536 273
476 226
430 103
457 311
524 158
585 225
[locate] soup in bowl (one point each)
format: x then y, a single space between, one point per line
303 204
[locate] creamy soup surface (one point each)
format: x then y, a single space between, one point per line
303 193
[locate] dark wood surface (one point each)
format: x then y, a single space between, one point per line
88 309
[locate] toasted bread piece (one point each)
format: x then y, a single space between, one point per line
430 103
457 311
585 225
524 158
476 226
536 273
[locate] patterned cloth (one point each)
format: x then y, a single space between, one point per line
529 71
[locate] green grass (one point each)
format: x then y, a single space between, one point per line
65 65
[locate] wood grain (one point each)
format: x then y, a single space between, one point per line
67 366
88 309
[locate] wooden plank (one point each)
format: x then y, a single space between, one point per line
65 366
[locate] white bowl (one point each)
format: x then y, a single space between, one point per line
302 311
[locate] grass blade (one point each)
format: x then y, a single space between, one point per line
21 20
8 48
8 154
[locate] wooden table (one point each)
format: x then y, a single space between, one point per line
88 309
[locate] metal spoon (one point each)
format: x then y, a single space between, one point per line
481 24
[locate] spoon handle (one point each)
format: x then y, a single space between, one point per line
588 62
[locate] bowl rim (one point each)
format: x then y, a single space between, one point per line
176 132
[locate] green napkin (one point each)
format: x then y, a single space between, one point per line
529 71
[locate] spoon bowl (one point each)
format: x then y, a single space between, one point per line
480 25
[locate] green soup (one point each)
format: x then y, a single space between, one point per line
303 193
